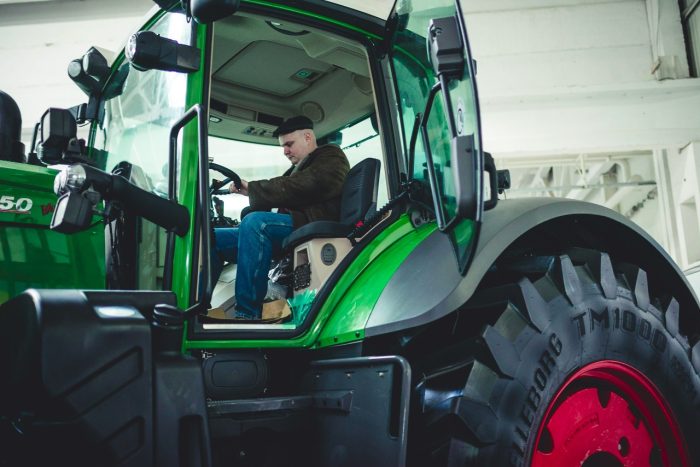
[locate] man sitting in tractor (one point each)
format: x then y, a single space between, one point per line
308 191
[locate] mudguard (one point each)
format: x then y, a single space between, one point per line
428 285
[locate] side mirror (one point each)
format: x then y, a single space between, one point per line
147 50
208 11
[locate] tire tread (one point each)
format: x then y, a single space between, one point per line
575 276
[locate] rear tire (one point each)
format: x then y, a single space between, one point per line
577 368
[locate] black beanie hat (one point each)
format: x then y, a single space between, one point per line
293 124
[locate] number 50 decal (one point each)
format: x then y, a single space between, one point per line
9 204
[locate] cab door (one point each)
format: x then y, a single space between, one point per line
439 112
134 136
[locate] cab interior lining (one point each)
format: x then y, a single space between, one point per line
264 71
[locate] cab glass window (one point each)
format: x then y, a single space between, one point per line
133 140
137 122
261 161
415 78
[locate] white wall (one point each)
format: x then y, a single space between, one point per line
39 39
567 75
580 77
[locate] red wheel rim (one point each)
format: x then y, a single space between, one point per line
609 414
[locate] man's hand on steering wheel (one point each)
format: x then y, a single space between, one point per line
230 175
242 190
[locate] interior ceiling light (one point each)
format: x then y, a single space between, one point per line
214 118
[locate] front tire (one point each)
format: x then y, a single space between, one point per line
579 367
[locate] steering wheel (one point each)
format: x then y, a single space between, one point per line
216 205
230 175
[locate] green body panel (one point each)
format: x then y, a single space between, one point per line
347 308
31 255
187 192
360 291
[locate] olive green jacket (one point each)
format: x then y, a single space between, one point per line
309 193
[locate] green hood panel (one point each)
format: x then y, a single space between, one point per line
31 255
26 186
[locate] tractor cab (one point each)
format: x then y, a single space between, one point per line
264 70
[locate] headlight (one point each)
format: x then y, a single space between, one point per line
146 50
71 178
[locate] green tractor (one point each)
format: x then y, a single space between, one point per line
437 325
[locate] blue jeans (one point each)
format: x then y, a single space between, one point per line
251 245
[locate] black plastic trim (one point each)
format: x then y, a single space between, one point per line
387 119
259 406
399 411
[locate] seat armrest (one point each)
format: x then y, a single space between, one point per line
318 229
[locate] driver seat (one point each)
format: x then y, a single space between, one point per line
318 247
359 195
